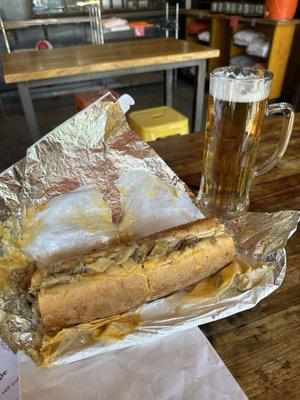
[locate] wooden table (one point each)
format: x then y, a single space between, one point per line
261 347
33 69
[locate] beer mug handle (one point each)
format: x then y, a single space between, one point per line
288 113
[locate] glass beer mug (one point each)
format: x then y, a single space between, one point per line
236 108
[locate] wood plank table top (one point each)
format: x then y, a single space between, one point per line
32 65
261 346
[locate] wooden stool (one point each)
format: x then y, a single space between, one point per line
158 122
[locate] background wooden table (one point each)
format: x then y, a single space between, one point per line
46 71
33 65
261 347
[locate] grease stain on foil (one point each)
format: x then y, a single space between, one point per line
102 331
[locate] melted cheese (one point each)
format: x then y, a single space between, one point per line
124 265
216 284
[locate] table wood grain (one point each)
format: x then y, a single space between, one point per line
33 65
261 346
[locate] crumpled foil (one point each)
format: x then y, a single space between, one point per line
97 149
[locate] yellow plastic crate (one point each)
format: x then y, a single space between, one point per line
158 122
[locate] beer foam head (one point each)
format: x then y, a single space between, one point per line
240 85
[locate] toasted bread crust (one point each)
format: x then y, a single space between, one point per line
102 295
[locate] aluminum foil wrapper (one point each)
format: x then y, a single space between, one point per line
89 178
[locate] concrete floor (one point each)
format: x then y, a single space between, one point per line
14 135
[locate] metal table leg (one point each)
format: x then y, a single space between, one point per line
199 96
2 106
168 87
29 110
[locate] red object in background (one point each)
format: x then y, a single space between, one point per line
140 24
280 9
234 21
43 45
139 27
84 99
196 27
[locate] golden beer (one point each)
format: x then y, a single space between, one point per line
236 107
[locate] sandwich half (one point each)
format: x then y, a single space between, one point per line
122 276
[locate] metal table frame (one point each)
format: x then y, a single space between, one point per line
26 99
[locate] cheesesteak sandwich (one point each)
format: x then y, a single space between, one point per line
122 276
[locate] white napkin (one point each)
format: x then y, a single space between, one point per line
8 373
180 366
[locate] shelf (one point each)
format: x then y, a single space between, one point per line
8 25
258 20
81 19
146 28
280 33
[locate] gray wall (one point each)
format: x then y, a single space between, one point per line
16 9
